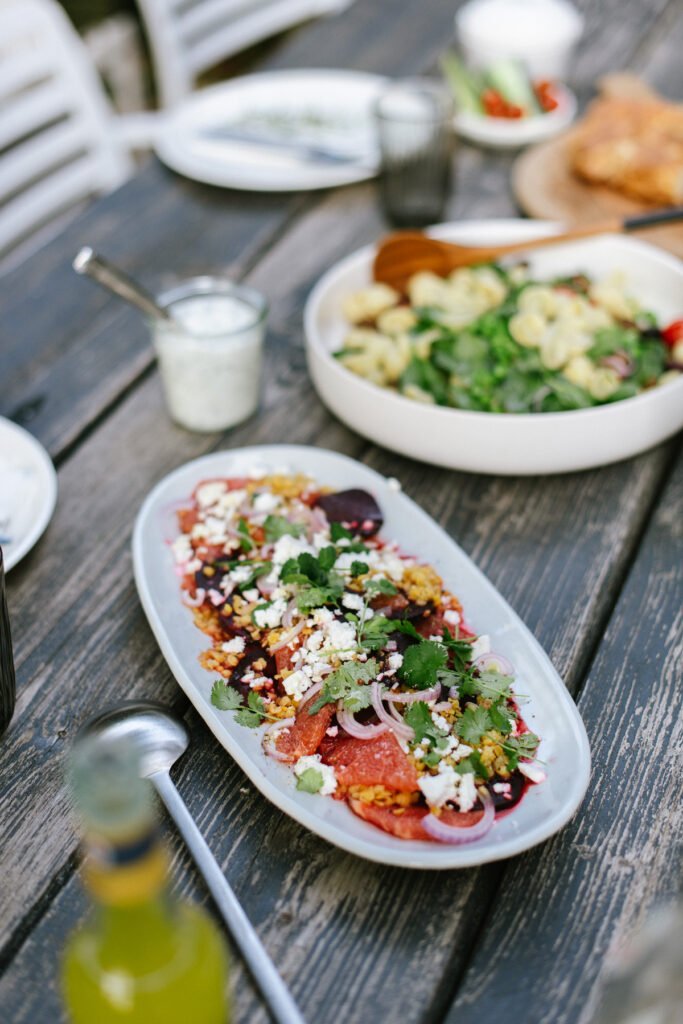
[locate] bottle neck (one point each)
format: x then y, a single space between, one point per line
127 876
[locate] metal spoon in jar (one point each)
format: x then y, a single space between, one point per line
106 274
161 738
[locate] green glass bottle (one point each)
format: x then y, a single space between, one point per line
141 956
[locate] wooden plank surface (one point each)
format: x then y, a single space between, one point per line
562 907
347 934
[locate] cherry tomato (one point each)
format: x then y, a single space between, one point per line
673 333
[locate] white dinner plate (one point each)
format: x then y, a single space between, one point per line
331 109
511 133
28 491
550 711
503 443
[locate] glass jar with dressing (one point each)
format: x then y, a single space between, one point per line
209 354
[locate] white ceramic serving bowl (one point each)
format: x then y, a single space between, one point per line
541 33
548 710
502 443
511 133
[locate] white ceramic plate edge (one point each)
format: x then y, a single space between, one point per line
49 481
435 857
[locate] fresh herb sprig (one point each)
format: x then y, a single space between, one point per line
348 683
228 698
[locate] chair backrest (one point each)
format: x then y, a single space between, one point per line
56 143
187 37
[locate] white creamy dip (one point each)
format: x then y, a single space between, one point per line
210 357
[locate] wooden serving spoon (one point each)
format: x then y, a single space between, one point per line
405 253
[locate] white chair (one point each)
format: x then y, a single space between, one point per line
187 37
58 140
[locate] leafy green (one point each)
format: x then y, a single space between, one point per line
346 684
339 532
224 697
319 584
519 747
421 664
380 585
227 698
473 723
258 569
246 543
420 720
276 527
359 568
472 763
310 781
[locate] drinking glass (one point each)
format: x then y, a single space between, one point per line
414 119
7 682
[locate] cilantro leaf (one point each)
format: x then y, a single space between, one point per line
246 543
259 569
310 781
359 568
375 632
501 717
404 626
275 527
345 684
224 697
379 586
339 532
493 685
419 719
475 721
519 747
421 663
253 715
472 763
460 650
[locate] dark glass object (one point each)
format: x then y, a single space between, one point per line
414 120
7 685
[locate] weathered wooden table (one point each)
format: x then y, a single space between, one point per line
591 561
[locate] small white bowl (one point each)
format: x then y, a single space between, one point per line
503 443
511 133
541 33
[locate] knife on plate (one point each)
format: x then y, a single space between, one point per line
303 150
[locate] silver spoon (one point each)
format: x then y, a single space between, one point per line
106 274
161 738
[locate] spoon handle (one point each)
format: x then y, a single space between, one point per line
109 276
282 1007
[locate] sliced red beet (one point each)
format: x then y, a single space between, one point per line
306 733
376 762
408 823
504 801
251 654
355 508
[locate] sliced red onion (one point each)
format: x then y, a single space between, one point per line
409 698
288 637
264 589
288 616
494 663
453 692
354 728
319 520
438 829
620 362
393 720
197 600
270 738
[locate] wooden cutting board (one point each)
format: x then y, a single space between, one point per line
545 186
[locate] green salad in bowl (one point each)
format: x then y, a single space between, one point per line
494 339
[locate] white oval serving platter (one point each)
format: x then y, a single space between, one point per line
28 491
503 443
549 711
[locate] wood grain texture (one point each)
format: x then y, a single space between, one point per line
563 907
330 934
352 938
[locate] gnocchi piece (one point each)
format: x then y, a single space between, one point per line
397 320
579 371
375 356
603 383
668 377
368 303
539 298
610 294
426 289
418 395
528 329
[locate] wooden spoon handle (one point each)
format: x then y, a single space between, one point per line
582 231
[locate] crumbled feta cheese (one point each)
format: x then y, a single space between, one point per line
209 493
329 783
251 595
289 547
270 616
440 722
216 597
387 562
532 772
439 789
182 549
315 640
332 731
340 637
418 753
452 617
461 751
296 684
467 794
230 501
257 472
320 617
395 661
353 601
345 561
266 502
234 646
482 645
502 787
241 573
321 540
